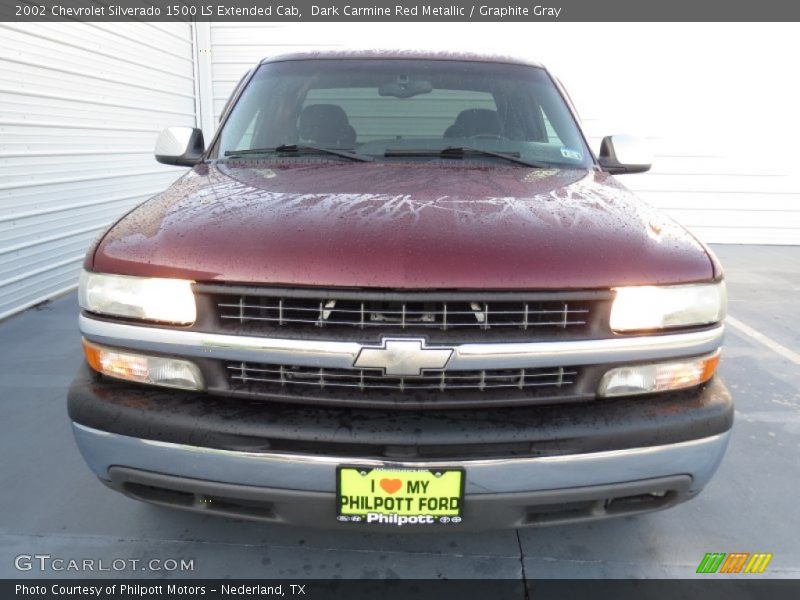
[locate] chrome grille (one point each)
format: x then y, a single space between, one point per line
252 310
244 374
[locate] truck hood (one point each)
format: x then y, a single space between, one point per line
467 225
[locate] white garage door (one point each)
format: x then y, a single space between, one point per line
80 108
714 101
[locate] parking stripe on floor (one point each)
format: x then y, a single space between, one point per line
763 339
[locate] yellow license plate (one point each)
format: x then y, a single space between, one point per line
399 496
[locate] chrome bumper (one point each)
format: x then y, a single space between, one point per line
697 458
342 355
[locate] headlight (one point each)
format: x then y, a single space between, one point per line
131 366
168 300
656 307
658 377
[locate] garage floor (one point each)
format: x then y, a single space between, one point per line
52 504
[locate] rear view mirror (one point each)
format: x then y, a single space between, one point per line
405 87
621 154
180 146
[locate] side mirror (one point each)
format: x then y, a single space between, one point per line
621 154
180 146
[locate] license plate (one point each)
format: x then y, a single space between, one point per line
386 496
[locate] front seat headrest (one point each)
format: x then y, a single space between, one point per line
326 124
474 121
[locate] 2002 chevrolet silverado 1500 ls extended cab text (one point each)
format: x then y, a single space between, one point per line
400 290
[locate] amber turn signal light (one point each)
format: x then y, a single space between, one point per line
658 377
141 368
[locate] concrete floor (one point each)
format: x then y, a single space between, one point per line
52 504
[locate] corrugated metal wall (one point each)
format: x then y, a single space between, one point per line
714 100
80 108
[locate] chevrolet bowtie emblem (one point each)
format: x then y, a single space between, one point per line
402 357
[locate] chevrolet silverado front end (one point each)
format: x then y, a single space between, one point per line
400 290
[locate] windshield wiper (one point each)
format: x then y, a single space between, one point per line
464 151
301 148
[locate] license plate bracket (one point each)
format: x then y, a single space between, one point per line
399 496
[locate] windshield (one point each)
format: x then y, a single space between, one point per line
405 110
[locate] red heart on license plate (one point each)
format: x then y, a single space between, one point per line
390 486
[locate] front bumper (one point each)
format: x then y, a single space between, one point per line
588 461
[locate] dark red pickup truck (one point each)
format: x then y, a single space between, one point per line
400 290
